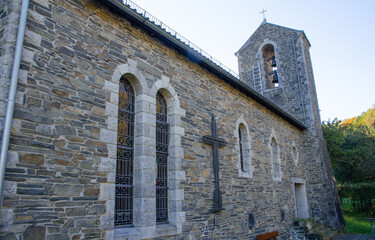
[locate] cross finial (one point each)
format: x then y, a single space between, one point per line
264 16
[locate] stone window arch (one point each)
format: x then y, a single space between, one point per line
241 133
175 151
125 155
275 160
270 66
295 153
144 224
162 141
243 149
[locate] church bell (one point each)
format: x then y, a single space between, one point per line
275 78
273 63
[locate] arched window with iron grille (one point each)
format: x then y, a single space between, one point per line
241 144
162 135
125 155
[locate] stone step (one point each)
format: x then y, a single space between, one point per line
330 235
323 232
317 227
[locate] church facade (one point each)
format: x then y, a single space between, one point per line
121 130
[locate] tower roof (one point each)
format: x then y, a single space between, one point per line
265 24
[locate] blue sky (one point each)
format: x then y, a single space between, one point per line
341 33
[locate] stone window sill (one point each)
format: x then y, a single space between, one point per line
248 174
161 230
271 89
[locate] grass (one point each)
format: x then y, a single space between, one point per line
357 223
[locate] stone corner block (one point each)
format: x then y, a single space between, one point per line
109 235
122 69
182 112
177 130
6 217
108 136
146 98
107 191
116 76
10 188
111 176
107 164
165 79
111 86
176 195
112 149
106 222
111 109
112 123
178 217
13 159
182 175
114 98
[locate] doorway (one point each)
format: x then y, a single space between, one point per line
300 200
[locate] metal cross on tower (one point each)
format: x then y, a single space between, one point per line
264 16
216 143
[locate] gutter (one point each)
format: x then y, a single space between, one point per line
12 94
194 56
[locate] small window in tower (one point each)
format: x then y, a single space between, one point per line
270 66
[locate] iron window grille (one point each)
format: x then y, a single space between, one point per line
162 135
240 139
125 156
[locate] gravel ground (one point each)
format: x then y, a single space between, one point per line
353 237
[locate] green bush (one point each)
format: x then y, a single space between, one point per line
361 196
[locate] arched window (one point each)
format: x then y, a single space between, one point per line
241 144
270 66
275 160
295 154
125 155
243 148
162 135
136 149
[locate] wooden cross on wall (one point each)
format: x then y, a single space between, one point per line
216 143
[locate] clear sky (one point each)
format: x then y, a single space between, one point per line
341 33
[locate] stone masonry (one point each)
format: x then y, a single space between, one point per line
60 176
296 94
9 18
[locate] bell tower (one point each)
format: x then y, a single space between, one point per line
275 62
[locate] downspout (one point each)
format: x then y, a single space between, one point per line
299 82
12 95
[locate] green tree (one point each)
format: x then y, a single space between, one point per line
351 146
365 119
351 149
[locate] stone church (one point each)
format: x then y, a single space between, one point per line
116 127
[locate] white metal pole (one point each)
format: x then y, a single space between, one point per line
12 95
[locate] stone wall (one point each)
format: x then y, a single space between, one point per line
9 19
60 172
296 94
313 116
250 55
